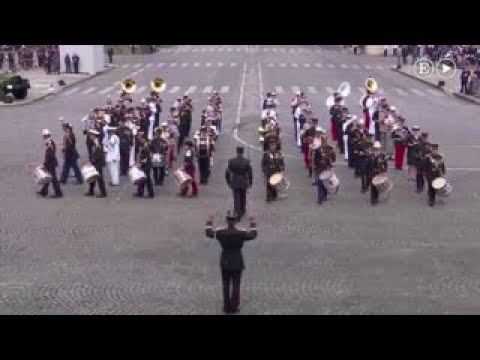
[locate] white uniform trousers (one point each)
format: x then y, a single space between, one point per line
345 145
114 170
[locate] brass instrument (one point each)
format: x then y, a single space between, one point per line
158 85
343 90
129 85
371 85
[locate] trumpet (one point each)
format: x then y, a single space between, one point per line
129 85
158 85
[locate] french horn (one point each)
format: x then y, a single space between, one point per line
129 85
158 85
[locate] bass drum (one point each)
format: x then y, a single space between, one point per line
280 183
442 186
42 177
330 181
382 183
182 178
136 175
89 173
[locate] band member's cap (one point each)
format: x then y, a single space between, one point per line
352 117
111 128
319 129
393 108
164 124
434 146
361 122
273 94
298 93
240 149
377 145
415 127
94 132
46 132
215 91
143 101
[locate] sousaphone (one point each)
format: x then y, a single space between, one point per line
129 85
371 85
158 85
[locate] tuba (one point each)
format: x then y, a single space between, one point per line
129 85
371 85
158 85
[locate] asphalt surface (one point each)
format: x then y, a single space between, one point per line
121 255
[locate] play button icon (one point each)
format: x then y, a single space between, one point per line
446 68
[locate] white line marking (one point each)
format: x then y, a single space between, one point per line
418 92
435 92
331 66
307 65
224 90
233 64
191 89
161 64
279 90
149 65
194 50
69 92
220 49
140 89
329 89
400 92
173 64
282 50
282 64
219 64
318 65
88 91
208 64
106 90
270 64
203 50
294 64
207 89
184 64
137 65
125 66
344 66
174 89
196 64
229 49
240 100
312 90
368 67
295 89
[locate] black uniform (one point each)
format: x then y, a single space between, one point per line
412 142
183 129
361 161
159 145
377 164
420 153
98 160
204 148
434 168
126 141
336 114
272 163
145 159
71 159
239 177
350 132
50 165
231 260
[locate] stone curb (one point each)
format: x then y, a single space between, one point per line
467 98
421 80
31 101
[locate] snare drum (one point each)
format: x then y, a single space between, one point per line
279 182
158 160
182 178
442 186
89 173
137 176
382 183
330 181
42 177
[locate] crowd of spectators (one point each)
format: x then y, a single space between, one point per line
27 57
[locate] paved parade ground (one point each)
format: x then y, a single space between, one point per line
122 255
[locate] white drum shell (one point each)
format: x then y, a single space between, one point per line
136 175
382 183
442 186
182 178
42 177
89 173
330 181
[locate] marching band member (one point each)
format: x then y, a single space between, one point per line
323 159
183 127
434 168
364 151
300 119
204 152
272 163
239 178
126 141
377 164
369 105
98 161
70 154
421 151
358 136
113 156
335 116
347 128
159 150
400 134
151 118
390 122
412 141
307 135
295 104
50 163
89 123
189 168
145 164
134 128
174 134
